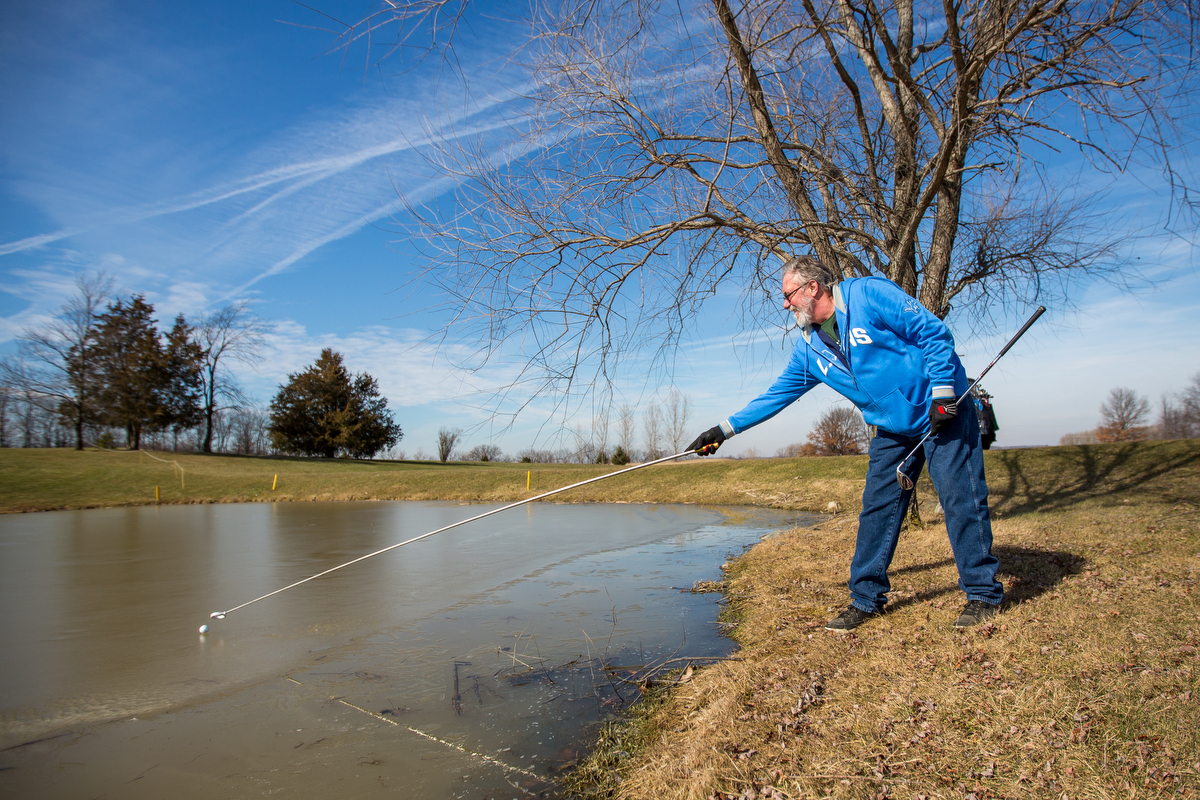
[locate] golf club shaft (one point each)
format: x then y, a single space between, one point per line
223 614
1040 310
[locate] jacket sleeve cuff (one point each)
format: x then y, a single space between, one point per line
942 392
727 429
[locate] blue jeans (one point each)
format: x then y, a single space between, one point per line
955 458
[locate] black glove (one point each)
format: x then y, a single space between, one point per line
707 443
942 412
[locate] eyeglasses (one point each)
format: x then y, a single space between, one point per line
787 296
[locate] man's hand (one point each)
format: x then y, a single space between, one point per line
707 443
942 412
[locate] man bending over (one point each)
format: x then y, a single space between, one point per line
892 358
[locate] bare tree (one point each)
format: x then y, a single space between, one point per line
1189 401
627 429
652 431
533 455
250 431
1122 415
34 421
1180 417
6 393
485 452
840 431
231 334
678 417
222 430
584 450
601 422
1083 437
668 149
447 438
56 366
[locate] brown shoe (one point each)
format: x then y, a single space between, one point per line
975 612
849 619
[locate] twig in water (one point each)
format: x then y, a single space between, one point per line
457 699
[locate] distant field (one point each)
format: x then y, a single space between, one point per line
1021 481
46 479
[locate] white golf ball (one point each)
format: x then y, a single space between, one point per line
204 629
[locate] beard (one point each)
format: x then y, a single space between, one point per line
804 315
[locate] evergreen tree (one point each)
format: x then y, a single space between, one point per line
179 382
324 410
128 357
145 384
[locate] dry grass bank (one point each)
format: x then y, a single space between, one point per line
1088 685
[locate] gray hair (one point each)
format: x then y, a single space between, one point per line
808 268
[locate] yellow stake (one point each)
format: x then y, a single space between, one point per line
274 481
156 494
527 474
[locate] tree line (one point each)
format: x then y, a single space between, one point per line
102 367
632 435
1125 417
101 372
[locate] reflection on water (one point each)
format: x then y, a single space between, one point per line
503 638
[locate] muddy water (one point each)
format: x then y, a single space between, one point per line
466 665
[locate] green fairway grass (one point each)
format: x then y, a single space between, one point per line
1021 481
46 479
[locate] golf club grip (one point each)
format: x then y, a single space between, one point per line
1040 310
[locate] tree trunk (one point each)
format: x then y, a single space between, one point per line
208 422
914 510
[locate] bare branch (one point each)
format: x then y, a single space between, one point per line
665 151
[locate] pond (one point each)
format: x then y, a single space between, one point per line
469 664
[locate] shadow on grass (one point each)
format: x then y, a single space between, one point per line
1033 571
1022 481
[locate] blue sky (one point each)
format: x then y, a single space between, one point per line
203 153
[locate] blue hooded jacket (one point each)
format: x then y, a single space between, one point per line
895 358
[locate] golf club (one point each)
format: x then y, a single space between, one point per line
907 483
223 614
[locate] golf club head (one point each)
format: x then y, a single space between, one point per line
906 483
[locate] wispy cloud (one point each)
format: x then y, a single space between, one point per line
210 219
294 176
